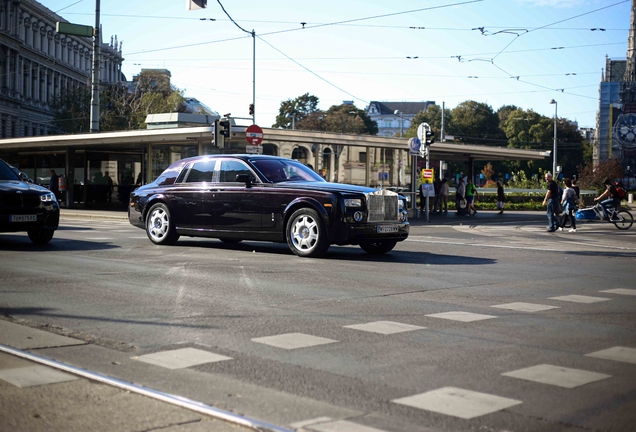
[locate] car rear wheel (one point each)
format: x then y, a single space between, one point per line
306 233
378 247
40 236
160 226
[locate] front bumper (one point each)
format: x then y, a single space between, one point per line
47 218
357 233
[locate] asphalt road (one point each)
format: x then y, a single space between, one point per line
351 340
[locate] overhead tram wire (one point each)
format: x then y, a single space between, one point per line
313 73
312 27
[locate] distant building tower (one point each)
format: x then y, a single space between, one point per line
616 119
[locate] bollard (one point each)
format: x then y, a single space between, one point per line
630 198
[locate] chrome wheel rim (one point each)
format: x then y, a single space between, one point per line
304 233
158 224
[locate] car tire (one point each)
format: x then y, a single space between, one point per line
160 226
306 233
40 236
378 247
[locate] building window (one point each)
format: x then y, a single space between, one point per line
362 157
388 123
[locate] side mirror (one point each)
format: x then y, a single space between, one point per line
244 178
23 176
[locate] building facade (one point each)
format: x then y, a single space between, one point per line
37 64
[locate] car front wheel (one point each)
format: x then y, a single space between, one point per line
306 233
40 236
160 226
378 247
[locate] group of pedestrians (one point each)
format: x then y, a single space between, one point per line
558 200
465 195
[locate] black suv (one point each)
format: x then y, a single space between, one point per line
25 206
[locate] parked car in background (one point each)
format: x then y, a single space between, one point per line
25 206
266 198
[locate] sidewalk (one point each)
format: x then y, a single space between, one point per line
37 397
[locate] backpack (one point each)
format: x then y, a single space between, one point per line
620 190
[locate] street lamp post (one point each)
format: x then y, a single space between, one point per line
401 115
554 147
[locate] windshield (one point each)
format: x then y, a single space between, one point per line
285 170
7 173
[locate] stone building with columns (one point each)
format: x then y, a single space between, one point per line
37 64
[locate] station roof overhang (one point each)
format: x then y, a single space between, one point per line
438 151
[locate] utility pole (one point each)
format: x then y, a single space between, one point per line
95 73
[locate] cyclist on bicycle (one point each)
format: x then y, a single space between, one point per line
610 198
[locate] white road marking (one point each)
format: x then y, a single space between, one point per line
618 353
557 375
525 307
34 376
461 316
623 291
181 358
291 341
580 298
384 327
456 402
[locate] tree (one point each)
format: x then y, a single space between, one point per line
121 108
504 111
476 123
295 110
71 110
591 177
349 119
432 116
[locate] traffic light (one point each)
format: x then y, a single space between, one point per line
251 109
219 139
225 128
429 136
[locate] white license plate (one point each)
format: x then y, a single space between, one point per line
23 218
388 228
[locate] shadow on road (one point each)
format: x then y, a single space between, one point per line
343 253
21 243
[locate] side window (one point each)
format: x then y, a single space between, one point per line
230 168
201 172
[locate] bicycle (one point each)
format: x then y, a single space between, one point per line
622 219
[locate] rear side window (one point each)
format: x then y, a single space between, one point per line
231 168
201 172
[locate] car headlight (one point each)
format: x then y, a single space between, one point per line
401 204
48 197
353 202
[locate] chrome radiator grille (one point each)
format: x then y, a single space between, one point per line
382 206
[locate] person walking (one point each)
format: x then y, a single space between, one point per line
551 201
577 190
443 196
460 195
54 185
501 198
109 186
568 202
471 194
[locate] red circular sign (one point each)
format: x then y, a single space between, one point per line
254 135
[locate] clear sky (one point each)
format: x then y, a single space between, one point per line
499 52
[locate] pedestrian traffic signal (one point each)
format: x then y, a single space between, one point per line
251 109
